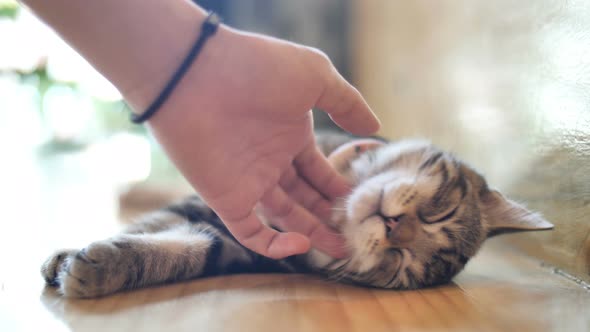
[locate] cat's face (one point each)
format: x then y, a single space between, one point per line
416 214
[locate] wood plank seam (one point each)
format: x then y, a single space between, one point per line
570 277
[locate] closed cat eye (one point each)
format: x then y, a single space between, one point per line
444 217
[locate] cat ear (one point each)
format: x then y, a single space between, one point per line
340 158
503 215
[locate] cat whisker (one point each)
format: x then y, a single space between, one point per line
339 209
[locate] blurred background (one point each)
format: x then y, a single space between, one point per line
54 102
504 84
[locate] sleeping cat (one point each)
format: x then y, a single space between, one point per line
414 218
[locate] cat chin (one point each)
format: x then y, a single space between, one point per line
366 240
357 263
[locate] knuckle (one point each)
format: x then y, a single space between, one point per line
327 180
289 181
318 57
316 205
284 209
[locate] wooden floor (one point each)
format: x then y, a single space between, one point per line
500 290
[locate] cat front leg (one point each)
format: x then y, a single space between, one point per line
129 261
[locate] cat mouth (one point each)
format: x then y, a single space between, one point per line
399 231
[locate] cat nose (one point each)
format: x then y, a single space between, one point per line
400 233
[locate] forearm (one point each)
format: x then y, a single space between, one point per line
135 44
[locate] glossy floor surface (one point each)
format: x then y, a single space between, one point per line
502 289
499 291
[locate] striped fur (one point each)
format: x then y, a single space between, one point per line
415 217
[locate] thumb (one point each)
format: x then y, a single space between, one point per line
346 107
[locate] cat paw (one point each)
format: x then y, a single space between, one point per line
94 271
53 265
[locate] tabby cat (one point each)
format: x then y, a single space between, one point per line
415 217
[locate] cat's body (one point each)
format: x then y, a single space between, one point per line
415 217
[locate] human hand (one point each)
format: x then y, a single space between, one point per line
239 127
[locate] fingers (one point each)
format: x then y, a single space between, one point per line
251 233
346 106
300 191
313 166
290 216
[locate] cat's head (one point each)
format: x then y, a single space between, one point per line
417 214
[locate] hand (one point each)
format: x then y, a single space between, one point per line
239 127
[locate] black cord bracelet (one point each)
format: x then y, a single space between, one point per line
208 28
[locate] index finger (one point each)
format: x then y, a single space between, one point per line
256 236
313 166
347 107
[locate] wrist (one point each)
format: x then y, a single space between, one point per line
200 82
166 61
135 44
208 28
